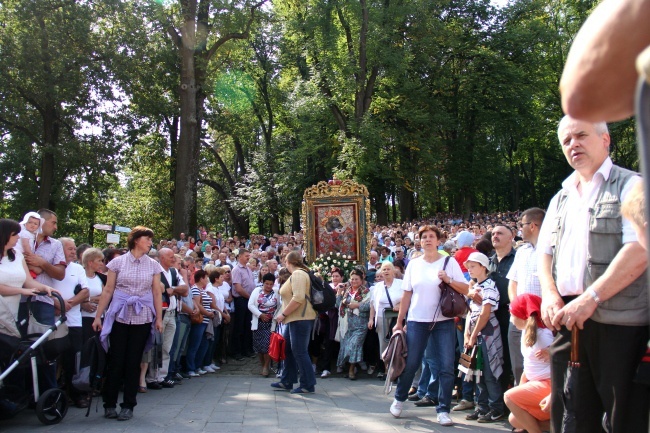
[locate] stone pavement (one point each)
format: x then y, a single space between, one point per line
238 400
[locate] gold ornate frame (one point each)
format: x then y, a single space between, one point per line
337 194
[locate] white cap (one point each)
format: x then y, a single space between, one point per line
478 258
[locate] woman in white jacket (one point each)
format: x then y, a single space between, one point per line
263 303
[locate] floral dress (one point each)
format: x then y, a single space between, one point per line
357 320
267 303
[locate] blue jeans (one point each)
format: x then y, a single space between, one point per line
180 341
428 385
196 340
490 395
212 345
466 387
440 345
297 334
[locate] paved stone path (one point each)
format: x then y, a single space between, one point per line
239 400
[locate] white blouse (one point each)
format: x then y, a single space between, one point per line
12 274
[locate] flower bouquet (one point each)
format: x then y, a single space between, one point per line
324 264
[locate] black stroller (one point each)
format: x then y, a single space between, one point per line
42 344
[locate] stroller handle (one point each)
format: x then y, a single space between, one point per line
58 297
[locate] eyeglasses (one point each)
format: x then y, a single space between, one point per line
227 272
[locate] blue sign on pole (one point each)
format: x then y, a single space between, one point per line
122 229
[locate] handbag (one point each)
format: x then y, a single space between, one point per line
452 303
196 318
277 346
390 317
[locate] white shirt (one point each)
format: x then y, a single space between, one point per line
534 368
421 278
524 271
217 295
12 274
94 289
172 299
380 300
571 262
74 274
224 289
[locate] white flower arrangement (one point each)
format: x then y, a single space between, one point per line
324 264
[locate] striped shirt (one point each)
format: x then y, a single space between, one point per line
135 278
206 300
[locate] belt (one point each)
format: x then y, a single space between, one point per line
170 312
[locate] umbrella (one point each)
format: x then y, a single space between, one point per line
571 386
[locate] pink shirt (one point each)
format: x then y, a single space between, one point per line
135 278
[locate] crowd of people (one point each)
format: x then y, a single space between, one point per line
530 279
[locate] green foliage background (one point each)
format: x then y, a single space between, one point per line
437 106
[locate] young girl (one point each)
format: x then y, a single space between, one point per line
482 328
529 402
29 227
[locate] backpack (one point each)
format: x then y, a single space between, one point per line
92 365
322 298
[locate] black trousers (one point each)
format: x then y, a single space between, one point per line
242 336
123 366
69 361
609 356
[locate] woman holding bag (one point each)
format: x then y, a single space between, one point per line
263 303
298 315
430 334
387 294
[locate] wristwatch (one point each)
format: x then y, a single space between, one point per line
594 295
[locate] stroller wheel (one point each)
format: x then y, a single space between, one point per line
52 406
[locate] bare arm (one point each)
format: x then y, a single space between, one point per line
39 263
241 291
483 318
551 300
31 283
627 266
512 290
105 298
602 57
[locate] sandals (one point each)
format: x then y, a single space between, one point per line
142 389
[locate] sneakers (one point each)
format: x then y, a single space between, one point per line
184 375
463 405
201 371
381 375
209 369
339 369
178 377
325 374
193 374
491 416
283 386
396 408
444 419
215 367
474 415
363 365
371 369
167 383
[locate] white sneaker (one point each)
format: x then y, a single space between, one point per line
444 419
371 369
201 371
325 373
215 367
209 369
192 374
363 365
313 366
339 369
396 408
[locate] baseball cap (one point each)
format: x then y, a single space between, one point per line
464 239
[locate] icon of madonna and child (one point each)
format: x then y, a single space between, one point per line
336 230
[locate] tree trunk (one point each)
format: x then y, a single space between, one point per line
295 219
380 208
406 204
275 224
50 142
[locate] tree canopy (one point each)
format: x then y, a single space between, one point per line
175 114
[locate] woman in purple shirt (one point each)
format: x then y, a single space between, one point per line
130 321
